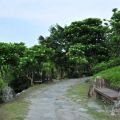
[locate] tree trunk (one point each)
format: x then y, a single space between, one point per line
30 78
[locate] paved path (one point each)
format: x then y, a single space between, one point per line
51 104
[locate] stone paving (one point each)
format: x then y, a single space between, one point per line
52 104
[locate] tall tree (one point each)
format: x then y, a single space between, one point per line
91 33
57 42
115 32
31 63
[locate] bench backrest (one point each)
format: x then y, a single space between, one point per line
100 82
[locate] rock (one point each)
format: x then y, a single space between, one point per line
7 94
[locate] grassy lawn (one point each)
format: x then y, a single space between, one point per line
79 92
17 109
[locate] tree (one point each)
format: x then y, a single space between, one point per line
40 39
31 63
115 32
10 54
91 33
76 54
77 58
48 69
57 42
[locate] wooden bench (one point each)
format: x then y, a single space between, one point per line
106 94
38 82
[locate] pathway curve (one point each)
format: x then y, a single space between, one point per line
51 103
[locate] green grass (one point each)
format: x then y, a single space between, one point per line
102 115
13 111
112 75
17 109
79 94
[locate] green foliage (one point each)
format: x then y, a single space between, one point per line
6 73
48 66
105 65
6 77
31 63
115 36
76 54
1 83
112 76
10 53
91 33
79 43
20 83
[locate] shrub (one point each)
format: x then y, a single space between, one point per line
105 65
1 84
1 87
19 84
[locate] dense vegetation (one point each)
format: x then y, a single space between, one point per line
81 48
106 65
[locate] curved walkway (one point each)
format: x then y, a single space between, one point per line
52 104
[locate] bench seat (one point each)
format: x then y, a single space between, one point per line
40 81
107 93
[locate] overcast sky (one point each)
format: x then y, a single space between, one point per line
25 20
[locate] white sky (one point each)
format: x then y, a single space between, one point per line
25 20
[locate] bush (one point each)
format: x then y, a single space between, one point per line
1 87
19 84
105 65
112 76
1 84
